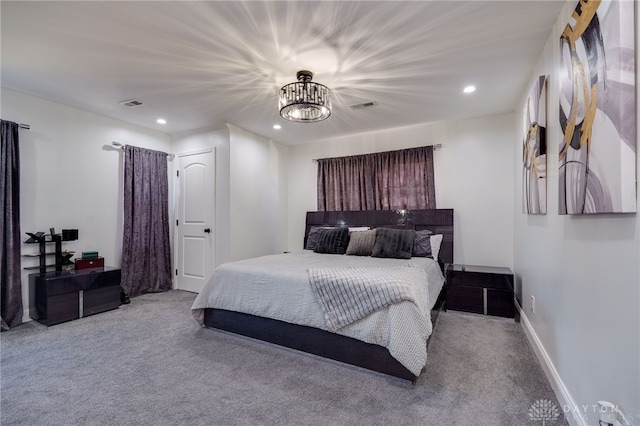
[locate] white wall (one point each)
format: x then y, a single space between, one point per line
251 196
69 176
473 174
584 274
258 195
219 140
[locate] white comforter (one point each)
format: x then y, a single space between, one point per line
277 287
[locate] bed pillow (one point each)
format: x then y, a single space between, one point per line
358 228
436 241
361 242
312 237
422 243
332 241
396 243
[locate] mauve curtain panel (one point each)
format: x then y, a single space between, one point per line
10 280
146 257
391 180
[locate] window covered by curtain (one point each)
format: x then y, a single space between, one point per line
389 180
10 280
146 257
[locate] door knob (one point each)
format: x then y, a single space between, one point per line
207 230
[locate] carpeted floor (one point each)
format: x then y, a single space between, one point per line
149 363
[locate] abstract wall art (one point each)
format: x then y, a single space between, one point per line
597 160
534 150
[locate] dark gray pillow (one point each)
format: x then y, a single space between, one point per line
312 237
361 242
422 243
332 241
396 243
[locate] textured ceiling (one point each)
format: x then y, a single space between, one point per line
200 65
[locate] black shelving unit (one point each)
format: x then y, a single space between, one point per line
61 258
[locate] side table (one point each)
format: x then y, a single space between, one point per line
481 289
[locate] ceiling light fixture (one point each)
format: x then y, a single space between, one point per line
305 101
469 89
161 121
277 126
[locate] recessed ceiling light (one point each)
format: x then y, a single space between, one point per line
277 126
469 89
161 121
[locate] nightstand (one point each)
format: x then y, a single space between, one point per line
59 296
481 289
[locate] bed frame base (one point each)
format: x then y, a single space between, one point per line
314 340
309 339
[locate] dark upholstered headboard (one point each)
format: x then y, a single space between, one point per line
439 221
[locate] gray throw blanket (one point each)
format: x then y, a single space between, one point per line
349 294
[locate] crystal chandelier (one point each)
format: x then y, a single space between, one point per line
305 101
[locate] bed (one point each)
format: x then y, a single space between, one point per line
271 298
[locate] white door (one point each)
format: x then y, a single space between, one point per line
195 219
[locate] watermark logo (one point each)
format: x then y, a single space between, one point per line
544 410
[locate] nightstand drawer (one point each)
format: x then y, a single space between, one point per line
500 303
467 299
473 278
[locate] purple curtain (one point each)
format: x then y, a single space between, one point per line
146 257
389 180
10 279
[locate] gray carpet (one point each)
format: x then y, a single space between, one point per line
148 363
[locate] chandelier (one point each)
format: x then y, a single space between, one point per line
305 101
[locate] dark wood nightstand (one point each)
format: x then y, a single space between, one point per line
60 296
481 289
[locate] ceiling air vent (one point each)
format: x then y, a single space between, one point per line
131 103
362 105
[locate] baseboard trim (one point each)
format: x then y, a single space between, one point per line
25 315
571 410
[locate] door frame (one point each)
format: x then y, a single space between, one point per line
176 201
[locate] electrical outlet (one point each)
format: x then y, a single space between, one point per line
533 305
622 418
611 414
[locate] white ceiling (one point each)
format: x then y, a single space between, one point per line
200 65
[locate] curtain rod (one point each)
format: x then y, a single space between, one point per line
24 126
436 146
118 145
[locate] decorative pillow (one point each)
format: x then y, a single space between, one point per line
332 241
361 242
436 241
422 243
396 243
312 237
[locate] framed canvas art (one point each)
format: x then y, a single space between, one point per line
534 150
597 159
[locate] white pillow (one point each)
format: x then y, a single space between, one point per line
435 240
358 228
